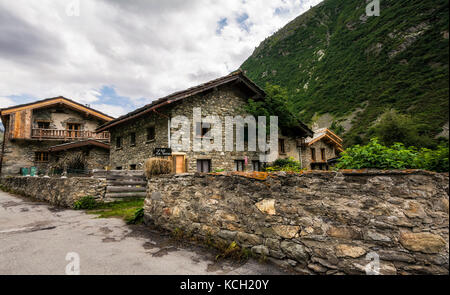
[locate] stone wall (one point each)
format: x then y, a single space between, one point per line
57 191
222 102
315 223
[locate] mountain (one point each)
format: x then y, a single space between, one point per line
344 68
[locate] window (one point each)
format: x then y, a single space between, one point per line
239 165
150 133
119 168
43 125
313 154
256 165
203 166
322 153
133 167
41 156
133 138
74 129
281 146
119 142
202 129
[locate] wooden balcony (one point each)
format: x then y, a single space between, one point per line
72 135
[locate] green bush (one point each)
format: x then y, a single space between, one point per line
85 203
434 160
377 156
288 165
138 217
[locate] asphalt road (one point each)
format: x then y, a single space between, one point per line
35 238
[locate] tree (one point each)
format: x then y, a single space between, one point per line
394 127
274 104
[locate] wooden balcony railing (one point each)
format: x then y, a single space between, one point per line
68 134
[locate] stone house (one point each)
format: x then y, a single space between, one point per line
136 135
38 133
320 150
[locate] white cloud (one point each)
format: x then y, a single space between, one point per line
142 48
112 110
6 102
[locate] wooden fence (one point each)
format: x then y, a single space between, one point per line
122 183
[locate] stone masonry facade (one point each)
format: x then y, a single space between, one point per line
315 223
223 101
21 143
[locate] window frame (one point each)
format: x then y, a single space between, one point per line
38 122
258 164
238 163
202 166
43 157
282 146
323 154
132 138
148 139
200 129
313 154
119 142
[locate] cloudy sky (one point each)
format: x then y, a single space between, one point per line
118 55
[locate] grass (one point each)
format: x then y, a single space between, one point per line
125 209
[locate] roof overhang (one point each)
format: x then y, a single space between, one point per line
56 101
329 140
77 144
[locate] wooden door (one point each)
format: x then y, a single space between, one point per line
179 164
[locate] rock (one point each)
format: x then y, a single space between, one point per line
227 235
277 254
375 236
429 270
261 250
343 233
444 204
349 251
317 268
267 206
273 244
422 242
246 239
395 256
387 269
302 270
414 210
286 231
295 251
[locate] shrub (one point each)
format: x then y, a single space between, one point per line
157 166
138 217
87 202
288 165
434 160
377 156
394 127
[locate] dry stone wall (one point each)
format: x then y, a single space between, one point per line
57 191
315 223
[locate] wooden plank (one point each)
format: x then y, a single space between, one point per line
125 189
125 195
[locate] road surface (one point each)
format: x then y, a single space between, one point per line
35 238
